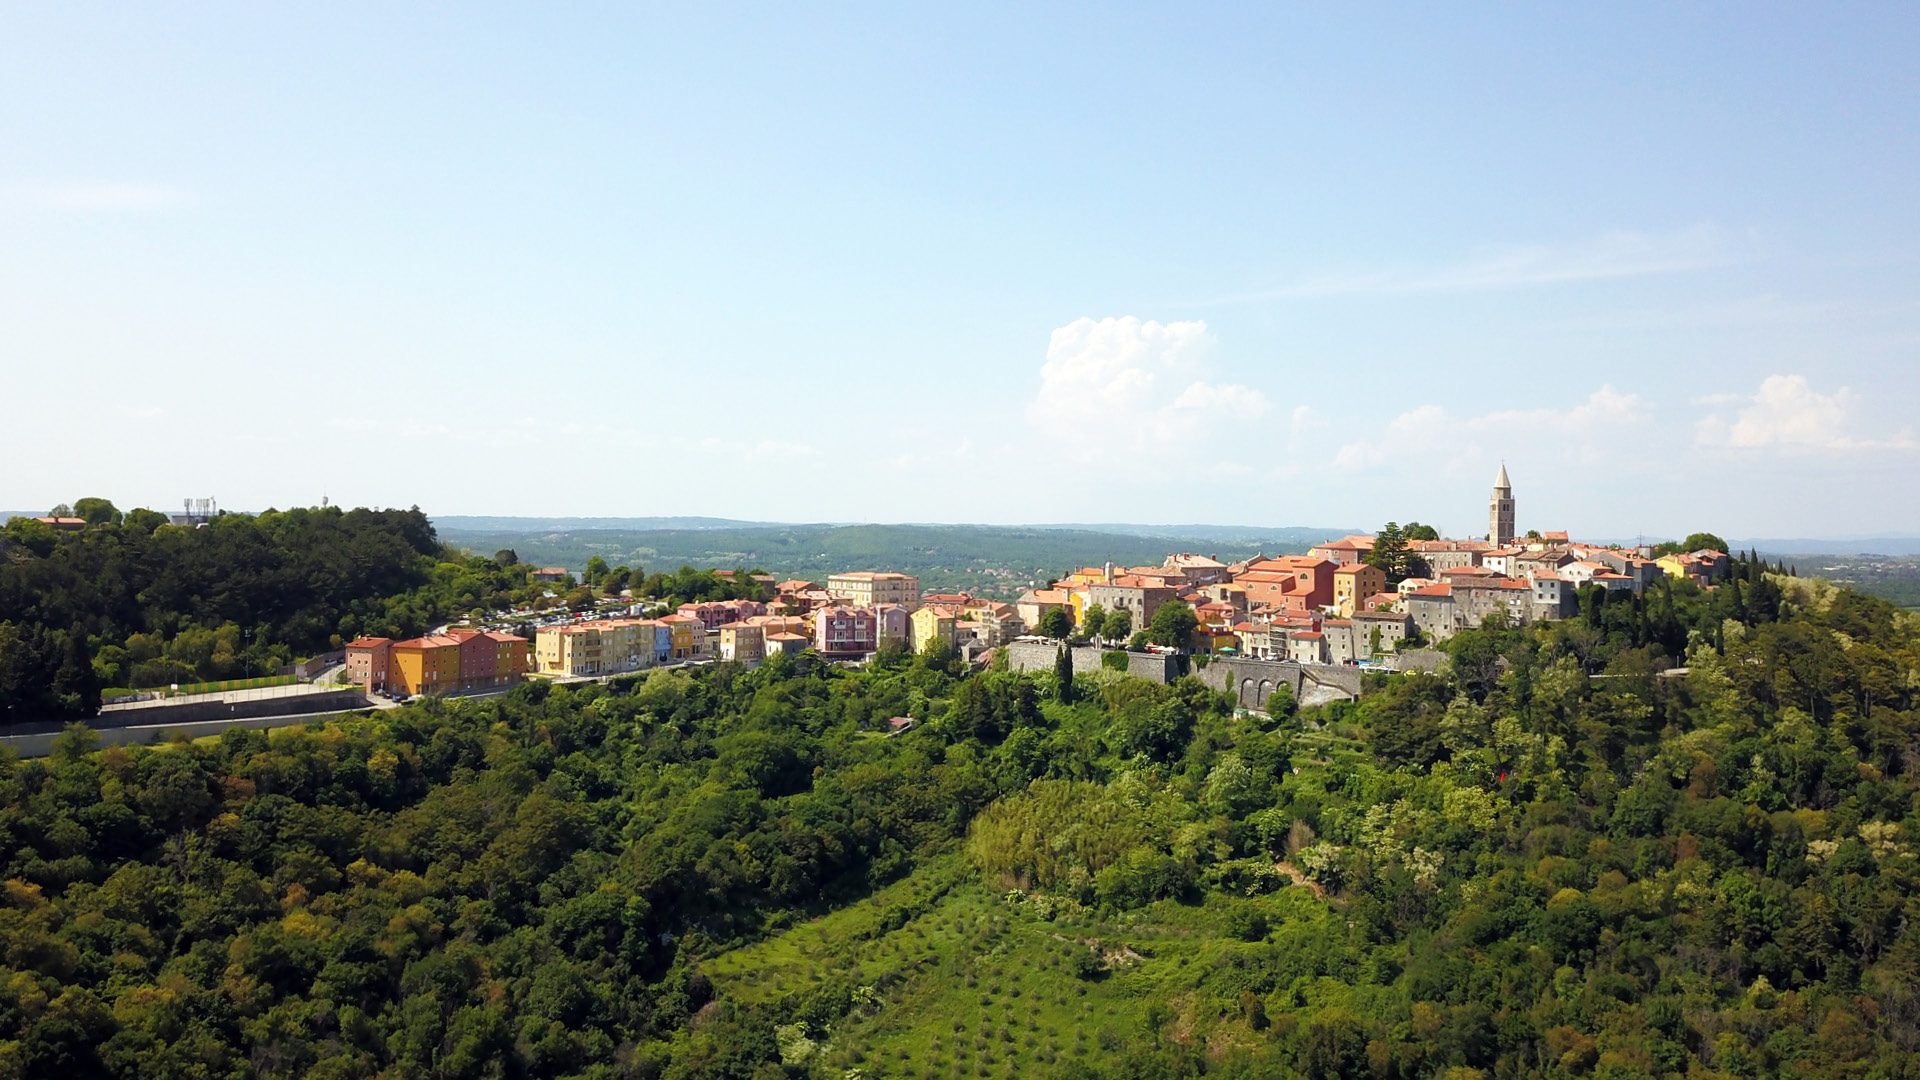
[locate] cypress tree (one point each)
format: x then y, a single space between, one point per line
1063 676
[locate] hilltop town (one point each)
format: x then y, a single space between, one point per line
1359 600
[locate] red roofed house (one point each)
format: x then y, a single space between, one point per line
1344 551
460 659
1138 596
367 662
1353 584
845 632
785 643
1289 582
1307 647
1431 608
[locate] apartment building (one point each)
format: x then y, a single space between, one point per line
743 643
844 632
867 588
1138 596
460 659
713 614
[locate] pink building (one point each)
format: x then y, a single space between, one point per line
367 661
891 623
843 632
713 614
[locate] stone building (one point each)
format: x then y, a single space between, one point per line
1500 510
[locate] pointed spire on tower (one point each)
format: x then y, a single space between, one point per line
1502 481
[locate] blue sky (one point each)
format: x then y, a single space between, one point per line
1236 265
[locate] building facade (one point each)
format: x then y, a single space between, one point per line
1353 584
843 632
866 588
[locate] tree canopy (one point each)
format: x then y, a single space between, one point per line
1675 835
131 602
1172 625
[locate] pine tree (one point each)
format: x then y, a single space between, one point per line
1390 553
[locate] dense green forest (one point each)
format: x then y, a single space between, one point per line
132 601
1562 857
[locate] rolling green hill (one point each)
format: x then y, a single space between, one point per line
988 559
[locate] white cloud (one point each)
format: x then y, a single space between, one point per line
1607 257
111 198
1605 405
1303 423
1787 413
1137 383
1429 429
758 449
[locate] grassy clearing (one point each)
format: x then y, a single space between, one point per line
942 975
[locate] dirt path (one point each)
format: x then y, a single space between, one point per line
1293 874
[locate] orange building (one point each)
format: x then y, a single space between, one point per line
1297 583
1345 551
460 659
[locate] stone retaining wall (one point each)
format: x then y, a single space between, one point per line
1040 655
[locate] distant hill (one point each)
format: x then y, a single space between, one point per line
1870 545
1251 534
989 559
566 524
1302 536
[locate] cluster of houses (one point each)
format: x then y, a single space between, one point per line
1331 606
849 617
1328 606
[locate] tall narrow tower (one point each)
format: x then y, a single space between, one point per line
1500 513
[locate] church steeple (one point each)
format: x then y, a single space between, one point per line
1500 510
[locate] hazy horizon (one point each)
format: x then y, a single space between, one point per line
650 522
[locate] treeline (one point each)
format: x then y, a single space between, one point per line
133 601
520 887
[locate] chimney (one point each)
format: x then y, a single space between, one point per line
1109 571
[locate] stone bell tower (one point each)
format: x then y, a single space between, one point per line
1500 512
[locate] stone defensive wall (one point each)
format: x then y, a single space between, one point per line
1039 656
1253 681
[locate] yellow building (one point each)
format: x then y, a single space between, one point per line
601 647
689 636
932 623
1212 639
1353 584
742 642
425 665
